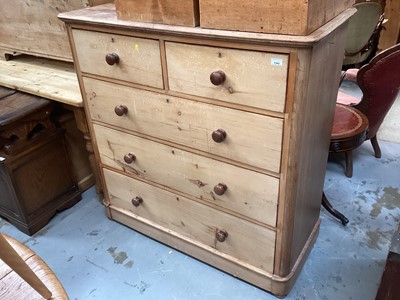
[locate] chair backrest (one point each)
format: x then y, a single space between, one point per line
359 31
379 81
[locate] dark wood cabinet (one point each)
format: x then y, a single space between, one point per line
36 179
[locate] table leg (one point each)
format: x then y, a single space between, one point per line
349 163
327 205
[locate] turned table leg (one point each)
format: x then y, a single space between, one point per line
83 127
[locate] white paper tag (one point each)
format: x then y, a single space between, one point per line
2 158
277 62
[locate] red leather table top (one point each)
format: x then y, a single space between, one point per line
348 122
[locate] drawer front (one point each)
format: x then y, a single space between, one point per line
248 242
256 79
250 138
248 193
138 59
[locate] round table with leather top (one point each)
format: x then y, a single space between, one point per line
349 131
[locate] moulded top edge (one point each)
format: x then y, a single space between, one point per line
105 15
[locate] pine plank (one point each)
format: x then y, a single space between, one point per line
55 80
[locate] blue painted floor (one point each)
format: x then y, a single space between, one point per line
96 258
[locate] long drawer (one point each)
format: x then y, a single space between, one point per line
251 78
250 138
248 193
133 59
245 241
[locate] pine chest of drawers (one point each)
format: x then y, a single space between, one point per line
213 142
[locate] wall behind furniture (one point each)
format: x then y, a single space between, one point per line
390 128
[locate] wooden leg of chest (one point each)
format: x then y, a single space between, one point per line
83 127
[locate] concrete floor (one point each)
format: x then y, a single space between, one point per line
96 258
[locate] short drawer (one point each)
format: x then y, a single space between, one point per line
132 59
245 241
251 78
250 138
248 193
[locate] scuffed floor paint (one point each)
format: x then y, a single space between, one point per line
96 258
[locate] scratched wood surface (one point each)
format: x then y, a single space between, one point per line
184 12
55 80
194 220
139 59
270 16
32 27
192 174
189 123
256 79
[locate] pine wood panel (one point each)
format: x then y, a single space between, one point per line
194 220
251 138
390 36
257 79
32 26
43 77
139 59
307 145
185 13
249 193
270 16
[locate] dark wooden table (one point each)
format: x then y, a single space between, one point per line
348 132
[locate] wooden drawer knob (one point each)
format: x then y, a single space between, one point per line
217 77
218 135
220 189
129 158
121 110
221 235
112 58
137 201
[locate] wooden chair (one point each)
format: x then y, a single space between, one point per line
379 81
363 32
22 272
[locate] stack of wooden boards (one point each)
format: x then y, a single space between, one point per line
296 17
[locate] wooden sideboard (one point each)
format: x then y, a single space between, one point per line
213 142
